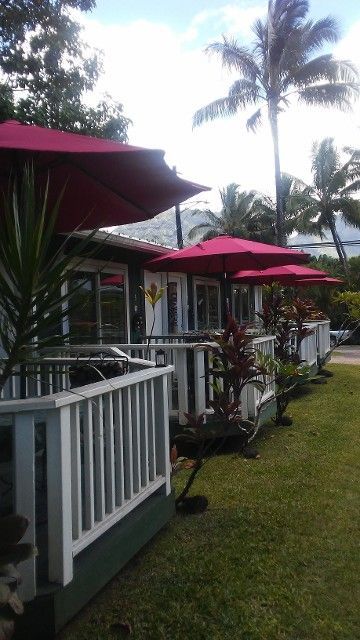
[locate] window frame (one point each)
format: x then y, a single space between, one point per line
97 267
206 282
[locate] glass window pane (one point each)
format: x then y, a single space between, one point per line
213 302
113 308
201 306
82 309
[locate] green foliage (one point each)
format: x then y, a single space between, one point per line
281 63
33 272
335 183
240 216
287 376
12 529
351 299
152 296
48 70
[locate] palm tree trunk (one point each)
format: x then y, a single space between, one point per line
339 246
273 119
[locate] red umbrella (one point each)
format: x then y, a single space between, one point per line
114 281
318 282
225 254
107 183
284 274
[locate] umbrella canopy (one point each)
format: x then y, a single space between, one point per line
284 274
106 183
318 282
226 254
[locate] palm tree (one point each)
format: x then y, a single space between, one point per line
278 66
296 216
241 215
332 192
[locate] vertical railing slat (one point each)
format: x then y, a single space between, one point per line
24 479
99 458
119 448
151 430
135 424
144 434
88 466
128 444
76 495
110 452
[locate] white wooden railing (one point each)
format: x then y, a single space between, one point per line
264 345
322 328
107 450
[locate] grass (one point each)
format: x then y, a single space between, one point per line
275 557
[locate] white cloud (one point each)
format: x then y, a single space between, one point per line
162 77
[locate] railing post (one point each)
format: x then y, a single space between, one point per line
58 439
24 480
199 381
162 437
180 361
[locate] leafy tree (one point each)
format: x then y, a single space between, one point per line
279 65
240 216
332 193
49 70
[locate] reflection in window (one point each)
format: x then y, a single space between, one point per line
97 311
112 308
241 303
207 306
82 309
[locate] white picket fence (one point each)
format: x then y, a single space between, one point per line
107 450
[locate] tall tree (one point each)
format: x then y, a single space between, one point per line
335 184
279 65
49 70
241 215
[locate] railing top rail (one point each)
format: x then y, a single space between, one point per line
65 398
260 339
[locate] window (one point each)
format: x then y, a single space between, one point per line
242 309
98 311
207 300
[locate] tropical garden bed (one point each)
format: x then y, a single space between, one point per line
276 554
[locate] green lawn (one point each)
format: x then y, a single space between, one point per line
275 557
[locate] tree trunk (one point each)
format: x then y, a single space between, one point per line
339 247
280 231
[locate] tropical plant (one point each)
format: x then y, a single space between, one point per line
241 215
287 376
295 218
280 65
332 193
33 271
152 296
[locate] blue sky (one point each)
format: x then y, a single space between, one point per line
155 64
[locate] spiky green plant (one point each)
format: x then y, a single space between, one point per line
281 65
33 270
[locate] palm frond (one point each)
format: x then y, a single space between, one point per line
221 108
254 121
316 34
349 209
339 95
235 57
245 92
